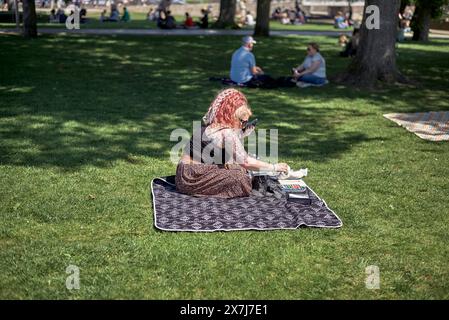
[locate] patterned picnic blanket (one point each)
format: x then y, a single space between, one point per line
174 211
432 126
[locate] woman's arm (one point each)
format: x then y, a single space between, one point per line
256 70
314 67
231 141
256 165
300 67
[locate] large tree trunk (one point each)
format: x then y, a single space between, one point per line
164 5
421 23
375 59
263 18
17 14
29 19
350 10
226 18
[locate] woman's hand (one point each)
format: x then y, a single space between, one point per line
281 167
248 130
298 74
295 73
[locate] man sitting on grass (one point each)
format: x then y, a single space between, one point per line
126 16
244 70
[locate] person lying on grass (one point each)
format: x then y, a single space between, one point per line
221 171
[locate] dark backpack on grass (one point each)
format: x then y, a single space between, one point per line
285 82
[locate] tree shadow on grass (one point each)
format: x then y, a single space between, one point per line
94 100
73 139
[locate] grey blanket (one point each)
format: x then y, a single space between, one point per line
174 211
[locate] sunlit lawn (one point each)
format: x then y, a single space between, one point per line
85 125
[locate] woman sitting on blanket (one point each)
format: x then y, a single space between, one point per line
221 171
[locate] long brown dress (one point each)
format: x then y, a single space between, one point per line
217 180
213 180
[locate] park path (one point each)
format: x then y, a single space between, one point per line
177 32
197 32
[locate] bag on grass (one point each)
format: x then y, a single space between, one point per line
267 186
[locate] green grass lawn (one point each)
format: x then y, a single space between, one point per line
85 125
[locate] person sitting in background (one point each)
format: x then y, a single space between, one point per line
402 24
204 22
313 69
223 171
61 15
152 15
240 20
249 21
340 21
170 21
300 17
161 20
188 23
342 40
83 15
284 18
348 18
277 14
352 45
407 17
356 24
53 18
103 16
126 16
292 16
114 16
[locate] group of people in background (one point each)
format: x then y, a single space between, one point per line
246 20
165 20
294 16
245 72
203 23
114 16
59 16
343 21
350 45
